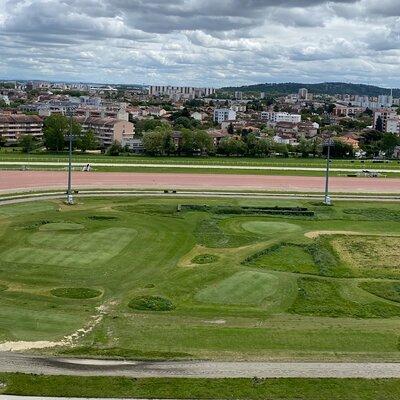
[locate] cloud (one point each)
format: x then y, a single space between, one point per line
201 42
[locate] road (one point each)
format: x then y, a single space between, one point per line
16 362
33 180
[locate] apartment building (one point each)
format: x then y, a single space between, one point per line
344 111
108 130
224 114
184 91
13 126
390 119
280 117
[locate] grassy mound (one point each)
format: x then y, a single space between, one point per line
76 293
316 258
151 303
291 258
386 290
324 298
61 226
204 259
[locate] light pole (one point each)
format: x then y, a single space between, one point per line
327 199
70 199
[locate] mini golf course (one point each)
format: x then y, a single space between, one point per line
165 278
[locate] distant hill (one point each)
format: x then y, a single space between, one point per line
317 88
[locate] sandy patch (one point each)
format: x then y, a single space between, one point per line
315 234
68 340
216 321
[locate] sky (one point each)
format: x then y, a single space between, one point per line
201 42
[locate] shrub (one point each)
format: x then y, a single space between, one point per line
151 303
101 217
76 293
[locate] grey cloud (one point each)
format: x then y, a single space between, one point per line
216 42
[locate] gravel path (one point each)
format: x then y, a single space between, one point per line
13 362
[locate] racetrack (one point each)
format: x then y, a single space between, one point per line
37 180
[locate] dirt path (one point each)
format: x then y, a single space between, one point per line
29 180
315 234
12 362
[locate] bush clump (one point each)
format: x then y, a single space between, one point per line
101 218
151 303
76 293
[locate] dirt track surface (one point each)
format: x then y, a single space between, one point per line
30 180
13 362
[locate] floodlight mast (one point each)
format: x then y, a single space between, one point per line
327 198
70 199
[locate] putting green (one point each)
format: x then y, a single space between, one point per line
244 288
269 227
67 249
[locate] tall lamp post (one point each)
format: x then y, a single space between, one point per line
327 199
70 199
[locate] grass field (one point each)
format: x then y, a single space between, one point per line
201 283
271 389
164 164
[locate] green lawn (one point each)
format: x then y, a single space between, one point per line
199 283
271 389
230 162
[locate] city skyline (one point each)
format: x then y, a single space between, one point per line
201 43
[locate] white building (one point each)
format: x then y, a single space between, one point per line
393 125
224 114
390 119
198 116
5 99
280 117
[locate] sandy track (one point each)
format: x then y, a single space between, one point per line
23 180
12 362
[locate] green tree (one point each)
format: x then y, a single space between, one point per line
56 127
339 149
115 149
159 141
231 129
3 141
263 147
379 124
389 142
153 143
27 143
147 125
56 130
87 141
231 146
203 141
304 147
